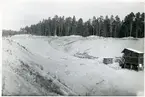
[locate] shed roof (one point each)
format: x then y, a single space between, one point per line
130 49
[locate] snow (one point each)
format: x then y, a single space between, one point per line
134 50
39 65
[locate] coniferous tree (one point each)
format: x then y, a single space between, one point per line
117 26
74 25
79 26
106 26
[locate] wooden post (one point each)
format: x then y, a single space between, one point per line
131 66
125 65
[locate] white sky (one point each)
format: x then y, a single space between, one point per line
19 13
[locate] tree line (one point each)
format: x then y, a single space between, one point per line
6 33
131 26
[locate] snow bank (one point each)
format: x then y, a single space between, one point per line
96 46
114 66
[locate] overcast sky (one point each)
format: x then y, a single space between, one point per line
19 13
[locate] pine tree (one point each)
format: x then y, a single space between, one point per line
106 26
74 25
117 26
80 26
111 26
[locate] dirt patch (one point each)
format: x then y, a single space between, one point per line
84 55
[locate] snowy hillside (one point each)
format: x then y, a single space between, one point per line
38 65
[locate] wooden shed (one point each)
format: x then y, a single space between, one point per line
132 59
108 60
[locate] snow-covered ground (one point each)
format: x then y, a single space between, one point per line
39 65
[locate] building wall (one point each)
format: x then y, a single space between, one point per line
131 57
